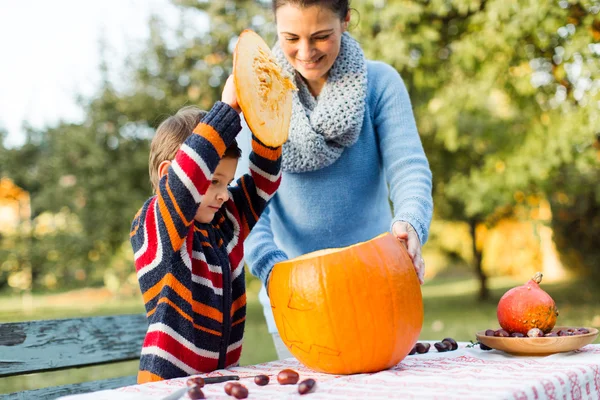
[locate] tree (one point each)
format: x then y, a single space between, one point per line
97 171
503 94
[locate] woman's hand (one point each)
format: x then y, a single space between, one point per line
407 234
229 95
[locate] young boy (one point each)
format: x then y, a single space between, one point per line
188 238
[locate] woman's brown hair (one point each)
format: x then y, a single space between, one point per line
340 7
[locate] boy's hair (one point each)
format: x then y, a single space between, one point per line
171 134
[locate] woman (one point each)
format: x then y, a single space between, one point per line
352 134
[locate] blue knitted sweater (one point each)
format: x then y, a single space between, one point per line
347 202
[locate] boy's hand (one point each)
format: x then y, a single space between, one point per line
229 95
407 234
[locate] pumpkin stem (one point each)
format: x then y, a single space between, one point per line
537 277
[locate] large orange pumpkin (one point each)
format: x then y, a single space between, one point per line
349 310
264 93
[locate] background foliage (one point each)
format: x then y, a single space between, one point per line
505 92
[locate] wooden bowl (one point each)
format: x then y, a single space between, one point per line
539 346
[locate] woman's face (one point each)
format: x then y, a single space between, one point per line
310 38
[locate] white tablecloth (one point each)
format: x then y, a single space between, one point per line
466 373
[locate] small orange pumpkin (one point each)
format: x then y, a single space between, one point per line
350 310
526 307
264 93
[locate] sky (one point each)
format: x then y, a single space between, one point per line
51 53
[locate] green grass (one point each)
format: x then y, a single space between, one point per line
451 309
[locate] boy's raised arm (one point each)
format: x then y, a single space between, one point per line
171 212
255 189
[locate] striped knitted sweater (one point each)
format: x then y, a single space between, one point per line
191 274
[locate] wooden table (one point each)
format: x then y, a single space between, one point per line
466 373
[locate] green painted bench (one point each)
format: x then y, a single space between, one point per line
52 345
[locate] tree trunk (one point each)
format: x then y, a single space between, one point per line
484 292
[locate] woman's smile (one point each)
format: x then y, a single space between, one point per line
310 63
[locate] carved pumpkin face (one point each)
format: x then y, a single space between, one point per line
351 310
264 93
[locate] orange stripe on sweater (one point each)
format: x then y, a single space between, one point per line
184 315
202 231
246 228
172 282
134 231
248 199
217 224
137 226
238 303
196 326
172 197
207 311
209 133
175 307
151 312
265 152
239 321
171 230
207 330
147 376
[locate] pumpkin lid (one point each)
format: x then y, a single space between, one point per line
264 92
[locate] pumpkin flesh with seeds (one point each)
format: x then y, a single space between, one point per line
264 93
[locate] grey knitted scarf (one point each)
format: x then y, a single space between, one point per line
321 128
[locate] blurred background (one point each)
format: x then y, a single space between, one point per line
506 94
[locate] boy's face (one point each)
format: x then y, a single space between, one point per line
217 192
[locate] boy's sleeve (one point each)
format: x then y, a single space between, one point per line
254 190
190 173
